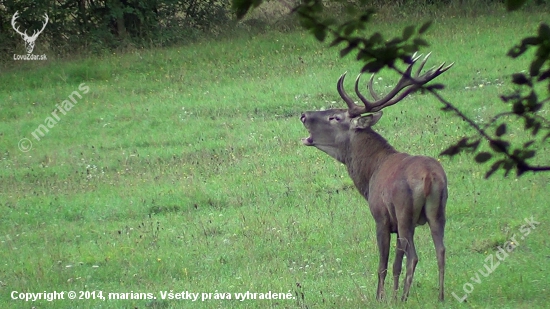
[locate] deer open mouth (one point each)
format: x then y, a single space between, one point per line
308 141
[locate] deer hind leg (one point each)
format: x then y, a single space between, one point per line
437 236
383 239
406 233
436 221
397 265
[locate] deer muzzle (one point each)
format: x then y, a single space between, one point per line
308 141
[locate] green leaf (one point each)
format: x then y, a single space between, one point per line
544 31
499 145
474 144
242 7
529 122
483 157
362 54
372 67
425 27
463 142
336 41
349 28
529 154
534 69
365 17
408 49
451 151
320 34
394 41
544 75
420 42
408 32
346 50
306 23
436 87
520 79
513 5
518 108
532 102
501 130
532 40
508 166
493 168
316 6
536 128
506 98
376 38
516 51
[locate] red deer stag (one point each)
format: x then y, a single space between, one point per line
402 190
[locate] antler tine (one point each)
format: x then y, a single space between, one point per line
394 100
447 67
440 69
354 110
421 66
407 82
415 58
342 92
414 86
371 88
428 76
432 73
366 102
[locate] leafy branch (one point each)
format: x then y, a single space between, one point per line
376 53
513 158
525 105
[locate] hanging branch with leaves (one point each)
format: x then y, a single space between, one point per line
377 52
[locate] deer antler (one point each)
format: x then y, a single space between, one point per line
412 82
354 110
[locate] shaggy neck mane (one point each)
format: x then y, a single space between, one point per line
368 150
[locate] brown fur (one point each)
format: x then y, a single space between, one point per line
402 191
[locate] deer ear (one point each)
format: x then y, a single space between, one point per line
366 121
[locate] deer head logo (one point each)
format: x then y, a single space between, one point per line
29 40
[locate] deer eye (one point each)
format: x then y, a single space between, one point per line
335 117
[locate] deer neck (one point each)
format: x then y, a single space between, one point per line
367 151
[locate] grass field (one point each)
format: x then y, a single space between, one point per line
182 170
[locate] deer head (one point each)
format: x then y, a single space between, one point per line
402 190
331 130
29 40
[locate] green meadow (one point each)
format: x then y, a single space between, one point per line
182 170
